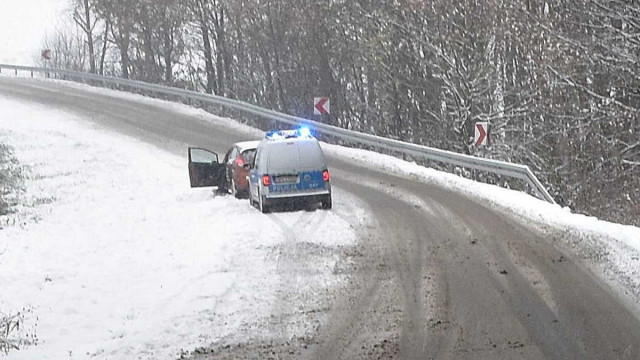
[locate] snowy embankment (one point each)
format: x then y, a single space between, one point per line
112 255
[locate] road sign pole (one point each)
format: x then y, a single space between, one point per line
489 140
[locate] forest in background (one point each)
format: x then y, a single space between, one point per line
558 80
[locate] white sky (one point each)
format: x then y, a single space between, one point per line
23 25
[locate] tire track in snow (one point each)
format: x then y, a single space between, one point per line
292 269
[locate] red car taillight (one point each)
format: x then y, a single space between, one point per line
326 176
266 180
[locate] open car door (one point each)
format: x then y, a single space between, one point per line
204 168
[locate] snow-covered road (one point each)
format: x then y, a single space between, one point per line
114 256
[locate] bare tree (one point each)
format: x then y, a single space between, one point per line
82 15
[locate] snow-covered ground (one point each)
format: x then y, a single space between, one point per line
112 255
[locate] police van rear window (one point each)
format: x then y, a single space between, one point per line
311 155
284 157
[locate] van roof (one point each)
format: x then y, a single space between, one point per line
288 135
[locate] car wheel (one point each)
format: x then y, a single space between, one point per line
327 203
253 203
225 178
261 203
234 190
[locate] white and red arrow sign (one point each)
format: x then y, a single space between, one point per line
321 106
482 128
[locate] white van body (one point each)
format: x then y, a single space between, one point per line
289 166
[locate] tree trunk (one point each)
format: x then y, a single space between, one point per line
211 87
266 62
168 49
227 58
105 42
124 59
219 28
276 51
123 46
87 17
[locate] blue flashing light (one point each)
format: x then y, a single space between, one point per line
274 135
301 132
304 131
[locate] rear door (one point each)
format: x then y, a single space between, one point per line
284 167
204 168
312 164
311 180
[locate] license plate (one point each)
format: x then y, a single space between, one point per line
284 188
287 179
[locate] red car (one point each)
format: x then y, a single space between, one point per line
237 164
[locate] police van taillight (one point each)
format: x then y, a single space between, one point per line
326 176
266 180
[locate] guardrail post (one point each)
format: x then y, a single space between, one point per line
32 74
16 72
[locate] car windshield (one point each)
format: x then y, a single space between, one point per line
248 156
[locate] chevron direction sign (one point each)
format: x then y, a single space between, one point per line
481 138
321 106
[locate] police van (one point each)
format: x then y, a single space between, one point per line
289 166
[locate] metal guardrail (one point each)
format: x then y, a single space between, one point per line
502 168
